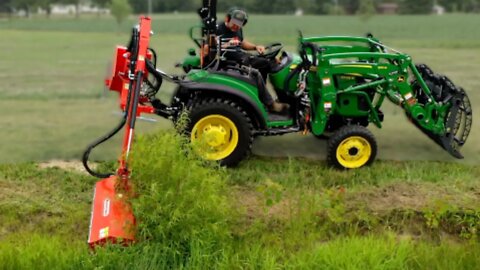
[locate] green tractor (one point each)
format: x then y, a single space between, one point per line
335 87
334 91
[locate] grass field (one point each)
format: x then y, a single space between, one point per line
415 208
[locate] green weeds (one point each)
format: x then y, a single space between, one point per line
183 205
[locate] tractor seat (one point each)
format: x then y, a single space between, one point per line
285 60
236 72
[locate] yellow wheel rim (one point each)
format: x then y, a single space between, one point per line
216 136
354 152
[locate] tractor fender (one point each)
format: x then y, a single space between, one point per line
258 114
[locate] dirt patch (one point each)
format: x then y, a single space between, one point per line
248 202
410 196
73 165
398 196
7 191
253 205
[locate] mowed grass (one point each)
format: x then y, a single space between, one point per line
453 30
53 101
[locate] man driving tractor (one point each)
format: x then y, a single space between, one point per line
231 30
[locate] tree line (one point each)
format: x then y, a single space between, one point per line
255 6
309 6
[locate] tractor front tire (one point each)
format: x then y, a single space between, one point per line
351 147
221 130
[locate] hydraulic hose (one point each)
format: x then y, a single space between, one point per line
132 47
120 125
103 139
154 54
99 141
158 77
304 64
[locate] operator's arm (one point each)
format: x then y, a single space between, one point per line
248 46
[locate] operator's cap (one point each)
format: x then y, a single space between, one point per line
238 17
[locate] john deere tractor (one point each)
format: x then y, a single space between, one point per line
335 86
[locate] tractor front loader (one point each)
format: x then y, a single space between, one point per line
347 85
335 87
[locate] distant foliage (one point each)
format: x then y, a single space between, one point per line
311 6
332 9
120 9
350 7
468 6
100 3
366 9
5 6
416 6
25 5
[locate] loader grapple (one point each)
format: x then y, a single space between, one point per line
458 118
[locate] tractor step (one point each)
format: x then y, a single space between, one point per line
274 117
277 131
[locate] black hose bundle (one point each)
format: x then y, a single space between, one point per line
132 47
99 141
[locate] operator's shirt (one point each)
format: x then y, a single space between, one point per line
225 33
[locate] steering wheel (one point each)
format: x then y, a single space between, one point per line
271 50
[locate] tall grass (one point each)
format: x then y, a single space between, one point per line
183 207
387 252
371 252
33 251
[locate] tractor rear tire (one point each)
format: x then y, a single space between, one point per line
223 129
351 147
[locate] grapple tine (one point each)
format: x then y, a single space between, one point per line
445 141
451 127
458 119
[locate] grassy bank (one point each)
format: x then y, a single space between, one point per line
266 214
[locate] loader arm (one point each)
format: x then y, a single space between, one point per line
446 119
